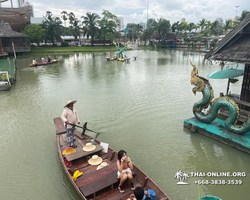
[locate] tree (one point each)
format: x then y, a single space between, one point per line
90 25
175 27
161 26
243 15
64 17
75 28
53 27
35 32
202 24
227 25
71 17
107 24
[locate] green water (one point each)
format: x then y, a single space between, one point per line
138 106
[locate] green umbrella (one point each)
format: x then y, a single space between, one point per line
226 73
229 73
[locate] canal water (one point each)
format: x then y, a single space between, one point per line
137 106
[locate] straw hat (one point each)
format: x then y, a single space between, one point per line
69 102
95 160
89 147
104 164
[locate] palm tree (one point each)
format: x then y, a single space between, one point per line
53 27
227 25
64 17
161 26
90 25
179 175
175 26
191 26
202 24
75 28
108 23
71 17
243 15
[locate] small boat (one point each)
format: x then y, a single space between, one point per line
94 182
46 63
5 83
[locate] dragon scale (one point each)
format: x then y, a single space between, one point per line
203 85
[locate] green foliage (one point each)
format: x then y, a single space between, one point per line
64 44
90 25
35 32
53 27
107 24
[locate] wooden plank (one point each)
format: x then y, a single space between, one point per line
80 153
245 103
95 174
97 185
95 181
126 194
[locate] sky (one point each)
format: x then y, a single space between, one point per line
136 11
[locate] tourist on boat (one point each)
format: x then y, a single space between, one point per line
43 60
139 193
124 165
49 59
70 115
34 62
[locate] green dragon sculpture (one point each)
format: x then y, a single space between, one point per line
203 85
120 51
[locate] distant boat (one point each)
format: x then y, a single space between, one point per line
16 17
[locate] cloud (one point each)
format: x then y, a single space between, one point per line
135 11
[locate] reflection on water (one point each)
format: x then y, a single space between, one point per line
138 106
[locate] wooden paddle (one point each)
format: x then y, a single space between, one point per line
84 127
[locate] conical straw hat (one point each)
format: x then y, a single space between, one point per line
89 147
103 164
95 160
69 102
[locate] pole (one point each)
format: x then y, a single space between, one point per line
236 11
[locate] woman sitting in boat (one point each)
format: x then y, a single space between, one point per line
34 62
124 165
49 59
43 61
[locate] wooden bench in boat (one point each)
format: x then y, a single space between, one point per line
97 180
80 153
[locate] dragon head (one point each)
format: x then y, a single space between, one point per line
196 80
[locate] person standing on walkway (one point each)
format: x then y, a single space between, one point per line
70 115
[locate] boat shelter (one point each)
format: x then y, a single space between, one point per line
11 41
234 47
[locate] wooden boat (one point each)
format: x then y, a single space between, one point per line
16 17
46 63
99 184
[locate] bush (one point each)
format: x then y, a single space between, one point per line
64 44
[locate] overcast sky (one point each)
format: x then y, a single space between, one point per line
135 11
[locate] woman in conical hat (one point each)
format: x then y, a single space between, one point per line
70 115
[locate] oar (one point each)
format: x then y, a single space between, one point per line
84 127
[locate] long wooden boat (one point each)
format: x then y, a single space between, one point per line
99 184
46 63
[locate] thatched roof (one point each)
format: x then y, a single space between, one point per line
6 31
235 45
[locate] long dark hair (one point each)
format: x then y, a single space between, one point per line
120 154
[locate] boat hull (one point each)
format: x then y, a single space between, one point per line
99 184
41 64
16 17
